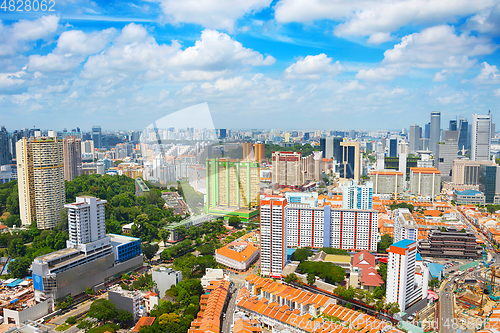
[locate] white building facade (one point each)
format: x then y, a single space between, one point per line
481 137
273 236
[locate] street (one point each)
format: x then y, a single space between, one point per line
227 321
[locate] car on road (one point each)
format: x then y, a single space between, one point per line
410 318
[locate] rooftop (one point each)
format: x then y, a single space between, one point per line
403 244
144 321
239 251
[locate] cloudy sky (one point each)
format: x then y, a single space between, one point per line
290 64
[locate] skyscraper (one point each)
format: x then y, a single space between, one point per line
393 147
435 130
260 152
427 131
453 125
322 146
72 157
273 236
40 180
446 153
16 136
97 136
463 137
5 157
350 162
414 139
481 137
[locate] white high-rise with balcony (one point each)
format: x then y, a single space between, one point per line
86 223
273 236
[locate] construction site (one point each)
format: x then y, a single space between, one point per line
477 294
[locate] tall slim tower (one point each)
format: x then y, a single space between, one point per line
97 136
435 130
414 138
463 137
86 221
5 157
40 181
481 137
350 163
273 236
72 157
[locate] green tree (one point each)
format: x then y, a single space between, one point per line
382 271
71 320
149 250
385 242
378 293
102 310
125 277
85 325
291 278
311 278
19 267
234 221
17 248
301 254
89 291
69 300
164 235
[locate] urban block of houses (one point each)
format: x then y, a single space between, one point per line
238 256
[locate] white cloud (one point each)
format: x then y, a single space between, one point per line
366 18
435 47
136 52
214 14
56 89
497 92
72 49
380 37
489 75
452 99
15 37
312 67
11 80
379 74
440 76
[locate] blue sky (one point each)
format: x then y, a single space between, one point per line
288 64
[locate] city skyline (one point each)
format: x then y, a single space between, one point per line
258 64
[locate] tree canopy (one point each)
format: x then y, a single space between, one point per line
326 271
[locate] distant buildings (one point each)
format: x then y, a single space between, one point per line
402 287
41 180
97 136
469 197
5 156
72 157
273 236
466 172
446 153
414 138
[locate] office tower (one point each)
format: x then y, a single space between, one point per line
260 152
435 130
453 125
350 162
72 157
427 131
401 285
306 136
16 136
463 129
322 146
222 133
402 164
88 147
393 147
97 136
273 236
248 151
329 147
492 130
5 157
481 137
287 137
446 153
332 148
489 183
414 139
286 168
41 181
465 172
232 186
425 181
357 196
402 148
424 144
86 221
405 227
384 143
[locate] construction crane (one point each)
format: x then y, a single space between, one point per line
4 266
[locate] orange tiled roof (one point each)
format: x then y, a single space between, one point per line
227 251
143 321
211 306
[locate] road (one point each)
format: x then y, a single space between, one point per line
227 321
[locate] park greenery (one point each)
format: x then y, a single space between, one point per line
193 267
176 316
106 317
305 149
395 205
326 271
140 282
301 254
